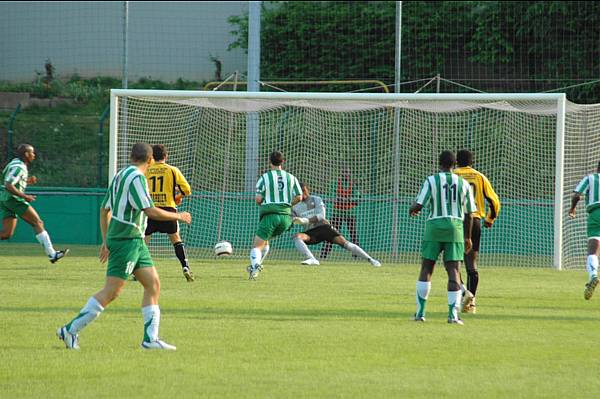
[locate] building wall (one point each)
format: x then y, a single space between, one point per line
166 40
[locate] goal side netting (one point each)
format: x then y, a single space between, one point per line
388 144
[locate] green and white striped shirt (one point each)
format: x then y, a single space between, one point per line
590 186
126 197
277 188
448 196
15 173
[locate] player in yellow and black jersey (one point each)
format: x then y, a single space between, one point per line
483 192
167 185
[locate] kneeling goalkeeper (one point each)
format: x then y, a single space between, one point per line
310 212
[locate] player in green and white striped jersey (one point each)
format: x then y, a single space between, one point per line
590 186
123 216
14 201
450 200
276 192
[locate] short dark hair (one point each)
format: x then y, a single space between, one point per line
447 159
23 148
464 158
140 152
276 158
159 152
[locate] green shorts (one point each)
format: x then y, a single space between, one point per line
126 256
12 207
272 224
593 223
453 251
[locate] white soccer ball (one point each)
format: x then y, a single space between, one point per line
223 248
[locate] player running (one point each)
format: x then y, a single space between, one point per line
276 192
14 201
310 212
164 181
590 185
123 214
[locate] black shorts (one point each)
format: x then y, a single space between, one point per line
476 234
159 226
321 233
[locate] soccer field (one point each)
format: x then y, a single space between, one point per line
337 330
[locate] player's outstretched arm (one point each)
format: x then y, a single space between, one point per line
159 214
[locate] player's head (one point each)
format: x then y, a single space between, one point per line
305 190
26 152
141 153
447 160
276 158
464 158
159 152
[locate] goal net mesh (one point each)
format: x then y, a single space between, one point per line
514 145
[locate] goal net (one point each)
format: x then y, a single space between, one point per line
533 148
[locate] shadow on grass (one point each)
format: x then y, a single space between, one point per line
303 314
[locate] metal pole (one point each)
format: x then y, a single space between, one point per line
125 44
252 121
559 171
397 113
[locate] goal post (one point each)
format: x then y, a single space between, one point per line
520 141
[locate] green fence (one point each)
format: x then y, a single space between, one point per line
70 215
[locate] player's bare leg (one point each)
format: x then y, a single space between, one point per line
32 218
454 292
9 225
300 240
355 250
148 277
181 254
423 288
592 267
258 244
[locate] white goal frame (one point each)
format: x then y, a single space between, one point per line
558 98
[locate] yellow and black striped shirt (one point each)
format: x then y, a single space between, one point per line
163 181
482 190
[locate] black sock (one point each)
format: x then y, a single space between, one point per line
180 252
472 281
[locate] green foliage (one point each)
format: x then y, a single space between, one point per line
340 330
501 44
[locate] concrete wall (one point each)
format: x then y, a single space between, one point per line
167 40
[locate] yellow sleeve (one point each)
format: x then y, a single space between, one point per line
181 182
492 199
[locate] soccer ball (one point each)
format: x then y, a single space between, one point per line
223 248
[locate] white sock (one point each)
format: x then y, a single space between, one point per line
151 315
592 266
463 289
265 251
423 288
303 248
87 314
356 250
453 303
255 257
44 239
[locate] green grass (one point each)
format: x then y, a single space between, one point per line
337 330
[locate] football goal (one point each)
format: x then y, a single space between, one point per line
367 155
